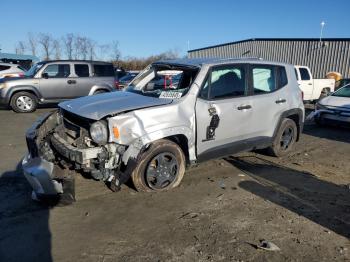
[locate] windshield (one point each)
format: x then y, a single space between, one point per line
343 92
163 81
33 70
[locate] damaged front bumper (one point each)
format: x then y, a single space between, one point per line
50 158
331 117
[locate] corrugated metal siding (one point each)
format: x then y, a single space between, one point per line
332 56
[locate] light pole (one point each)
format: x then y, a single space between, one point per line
322 25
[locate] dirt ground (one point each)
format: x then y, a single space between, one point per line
220 212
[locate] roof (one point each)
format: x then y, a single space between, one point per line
198 62
273 39
18 57
75 60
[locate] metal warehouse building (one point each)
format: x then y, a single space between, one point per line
332 54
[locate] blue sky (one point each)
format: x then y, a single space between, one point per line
150 27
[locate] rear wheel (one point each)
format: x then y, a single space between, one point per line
285 138
161 167
23 102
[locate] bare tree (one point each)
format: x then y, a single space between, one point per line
57 48
91 45
45 40
103 50
68 44
20 48
115 51
32 43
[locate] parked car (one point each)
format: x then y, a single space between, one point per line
313 89
334 109
219 107
55 81
120 72
11 70
126 79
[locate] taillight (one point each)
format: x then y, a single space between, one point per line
20 74
116 84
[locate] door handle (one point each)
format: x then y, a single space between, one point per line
280 101
310 84
71 82
244 107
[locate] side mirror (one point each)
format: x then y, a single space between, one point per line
45 75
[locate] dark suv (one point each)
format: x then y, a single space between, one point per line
55 81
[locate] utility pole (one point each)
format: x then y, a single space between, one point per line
322 25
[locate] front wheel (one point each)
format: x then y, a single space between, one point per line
23 102
161 167
285 138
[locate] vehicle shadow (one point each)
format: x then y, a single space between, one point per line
322 202
335 133
24 228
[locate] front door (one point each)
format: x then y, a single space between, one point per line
54 83
223 112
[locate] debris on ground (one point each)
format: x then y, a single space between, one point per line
241 175
267 245
222 184
189 215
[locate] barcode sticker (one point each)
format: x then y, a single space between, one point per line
170 95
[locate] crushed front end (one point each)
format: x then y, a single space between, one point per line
59 144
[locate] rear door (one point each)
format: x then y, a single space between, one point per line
269 85
305 82
82 78
57 84
223 112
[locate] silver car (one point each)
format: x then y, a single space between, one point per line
11 70
153 131
55 81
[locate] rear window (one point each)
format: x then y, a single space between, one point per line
81 70
103 70
2 67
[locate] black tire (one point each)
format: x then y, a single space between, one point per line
285 138
142 177
24 102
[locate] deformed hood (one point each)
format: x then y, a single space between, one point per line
98 106
336 101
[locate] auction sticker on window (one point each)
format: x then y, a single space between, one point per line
170 95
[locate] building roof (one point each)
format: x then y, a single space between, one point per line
18 57
273 39
198 62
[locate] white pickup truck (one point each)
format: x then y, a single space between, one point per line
313 89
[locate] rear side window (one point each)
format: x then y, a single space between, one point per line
57 70
2 67
282 79
304 74
103 70
81 70
263 79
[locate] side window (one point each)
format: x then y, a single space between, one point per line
263 79
282 79
304 74
2 67
57 70
104 70
81 70
224 82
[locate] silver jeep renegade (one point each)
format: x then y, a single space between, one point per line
174 114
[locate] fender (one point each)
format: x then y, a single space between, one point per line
286 114
19 88
142 142
97 87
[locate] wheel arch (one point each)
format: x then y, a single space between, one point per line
29 89
297 115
